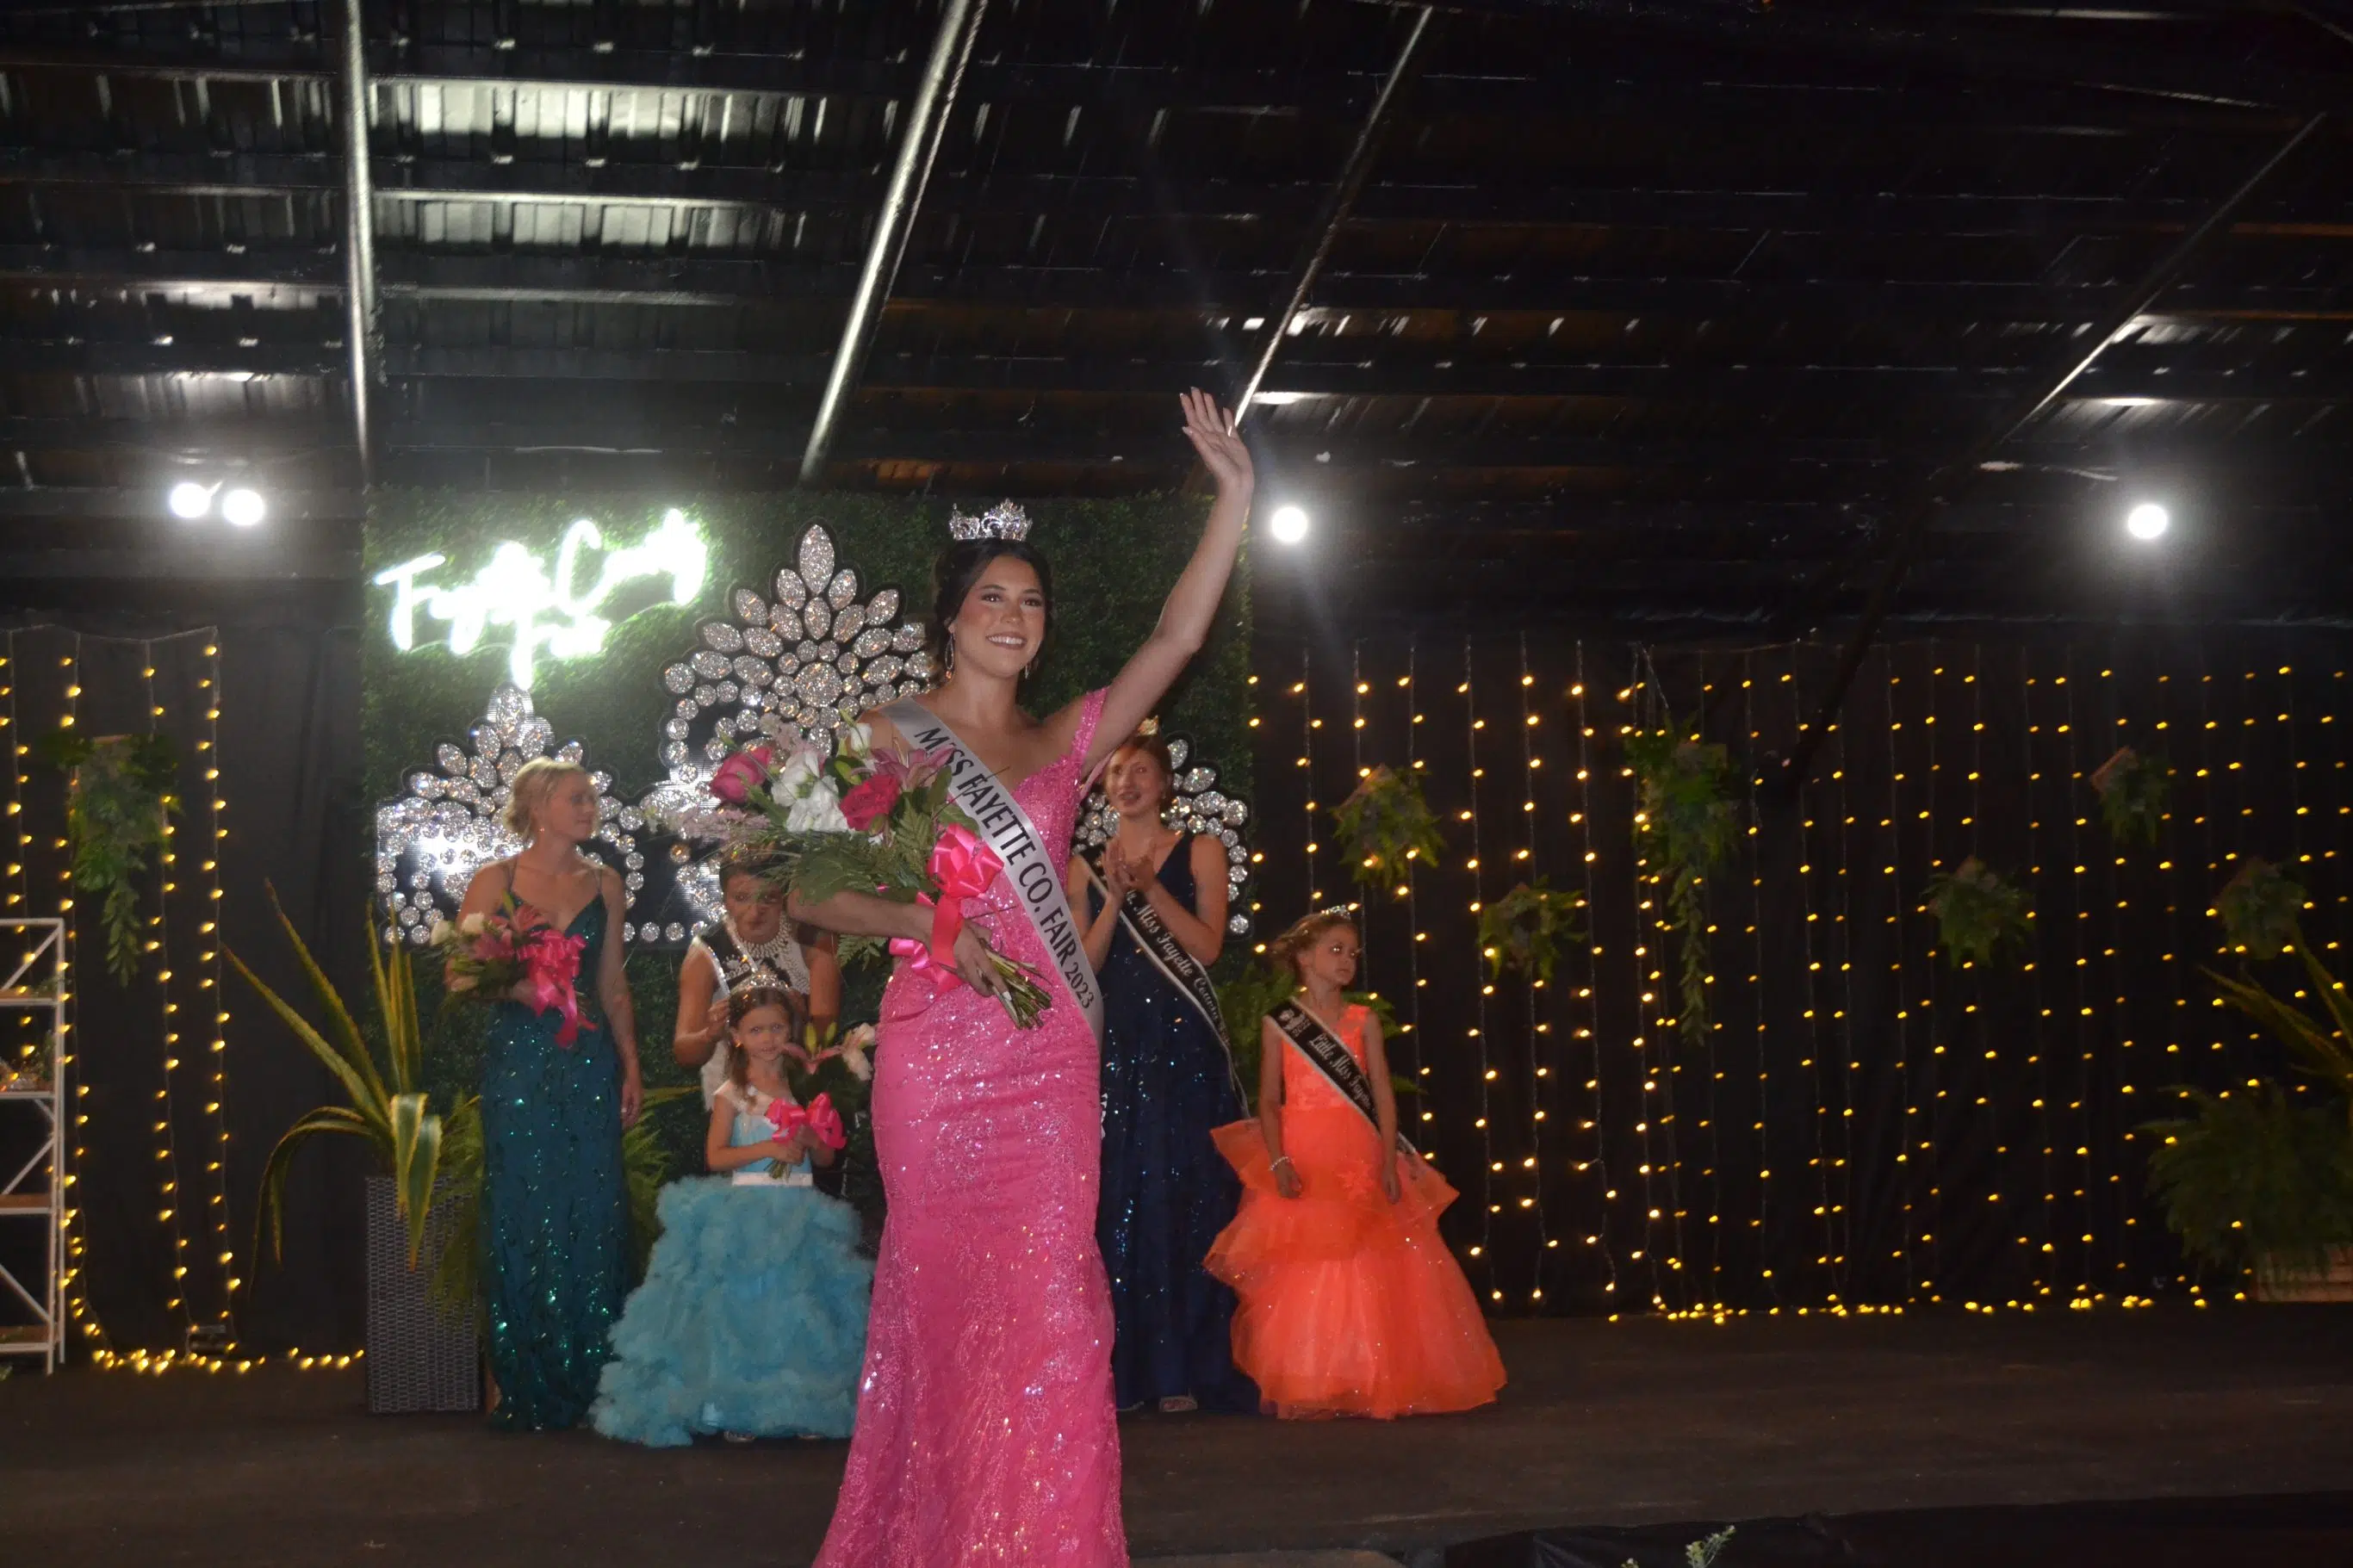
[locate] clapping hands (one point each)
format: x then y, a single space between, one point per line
1124 875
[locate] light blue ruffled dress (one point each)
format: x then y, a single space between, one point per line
752 1316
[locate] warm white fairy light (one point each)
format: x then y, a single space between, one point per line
172 1214
1489 1166
1588 861
1415 982
1648 978
208 935
1308 723
1538 1027
1760 1222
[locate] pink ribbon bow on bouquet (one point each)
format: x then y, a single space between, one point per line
550 959
964 868
819 1118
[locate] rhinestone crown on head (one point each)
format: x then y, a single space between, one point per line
1003 521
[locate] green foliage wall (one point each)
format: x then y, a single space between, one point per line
1113 562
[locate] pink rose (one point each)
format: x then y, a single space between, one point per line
870 801
741 773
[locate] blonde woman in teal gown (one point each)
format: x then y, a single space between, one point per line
556 1218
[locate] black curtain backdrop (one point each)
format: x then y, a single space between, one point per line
284 683
1864 1124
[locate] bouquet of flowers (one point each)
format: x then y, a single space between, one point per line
872 821
818 1118
487 956
853 1050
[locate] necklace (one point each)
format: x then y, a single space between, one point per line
779 956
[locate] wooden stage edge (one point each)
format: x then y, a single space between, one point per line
1630 1422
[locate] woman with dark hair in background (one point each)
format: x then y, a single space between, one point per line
986 1426
1153 903
751 939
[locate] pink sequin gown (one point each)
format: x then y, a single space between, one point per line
985 1429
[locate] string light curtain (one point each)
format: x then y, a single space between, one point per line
178 1090
1862 1126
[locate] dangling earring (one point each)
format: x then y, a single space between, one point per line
1029 669
949 654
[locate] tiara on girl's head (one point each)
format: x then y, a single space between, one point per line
1003 521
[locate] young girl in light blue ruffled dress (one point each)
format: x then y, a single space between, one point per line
752 1320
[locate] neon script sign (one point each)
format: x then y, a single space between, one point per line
553 614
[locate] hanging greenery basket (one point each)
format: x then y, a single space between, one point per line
1685 823
2132 790
1385 827
120 797
2259 908
1525 929
1977 912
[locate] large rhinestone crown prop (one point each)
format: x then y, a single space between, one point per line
1199 806
1003 521
432 841
787 670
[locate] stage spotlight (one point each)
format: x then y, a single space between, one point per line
1289 524
244 508
2147 521
190 500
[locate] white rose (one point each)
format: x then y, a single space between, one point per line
793 778
816 811
439 935
856 740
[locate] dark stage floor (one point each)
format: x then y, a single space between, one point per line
1603 1424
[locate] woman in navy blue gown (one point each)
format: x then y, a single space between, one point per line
1168 1080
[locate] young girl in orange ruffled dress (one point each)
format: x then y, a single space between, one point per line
1351 1304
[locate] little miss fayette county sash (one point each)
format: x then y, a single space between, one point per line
1036 873
1168 955
1330 1057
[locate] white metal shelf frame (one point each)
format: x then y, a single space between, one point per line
35 1191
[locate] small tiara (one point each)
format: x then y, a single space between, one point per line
1004 520
759 977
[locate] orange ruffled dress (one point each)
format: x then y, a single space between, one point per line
1351 1305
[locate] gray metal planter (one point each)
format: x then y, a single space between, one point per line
420 1356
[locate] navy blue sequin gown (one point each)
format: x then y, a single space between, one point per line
556 1218
1166 1191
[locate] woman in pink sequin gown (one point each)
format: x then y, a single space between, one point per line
985 1429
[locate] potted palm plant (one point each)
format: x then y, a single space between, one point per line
2253 1182
2258 1179
424 1205
421 1353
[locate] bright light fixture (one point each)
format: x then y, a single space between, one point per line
190 500
244 508
2147 521
1289 524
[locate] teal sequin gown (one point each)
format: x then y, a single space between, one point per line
555 1217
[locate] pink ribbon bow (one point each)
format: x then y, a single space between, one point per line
550 959
819 1118
964 868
